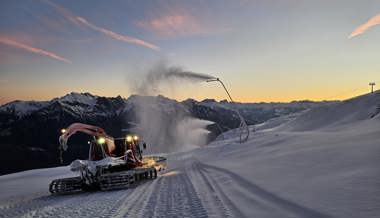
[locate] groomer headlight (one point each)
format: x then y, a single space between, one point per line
129 138
63 131
135 138
101 140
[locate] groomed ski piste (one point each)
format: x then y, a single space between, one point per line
321 163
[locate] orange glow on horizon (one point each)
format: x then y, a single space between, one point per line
257 98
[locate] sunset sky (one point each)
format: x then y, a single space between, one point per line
264 50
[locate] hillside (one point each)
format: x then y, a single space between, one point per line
327 171
348 112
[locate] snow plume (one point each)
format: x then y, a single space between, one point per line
364 27
192 132
162 74
164 124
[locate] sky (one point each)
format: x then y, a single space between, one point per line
263 50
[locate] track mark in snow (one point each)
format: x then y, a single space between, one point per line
168 196
99 204
257 196
209 196
151 205
18 209
133 205
174 196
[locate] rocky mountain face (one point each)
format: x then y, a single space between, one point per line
29 130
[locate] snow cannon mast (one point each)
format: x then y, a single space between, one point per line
243 127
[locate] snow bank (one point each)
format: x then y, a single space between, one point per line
324 161
29 184
347 112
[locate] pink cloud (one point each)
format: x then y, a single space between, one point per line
173 25
364 27
13 43
80 21
64 12
117 36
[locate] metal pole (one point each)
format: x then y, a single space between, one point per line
372 84
225 90
243 123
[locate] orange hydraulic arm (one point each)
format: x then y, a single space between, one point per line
97 132
80 127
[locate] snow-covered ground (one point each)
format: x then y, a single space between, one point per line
322 163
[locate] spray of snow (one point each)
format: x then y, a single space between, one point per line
163 75
163 126
191 132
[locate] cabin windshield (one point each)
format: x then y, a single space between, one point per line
120 148
96 151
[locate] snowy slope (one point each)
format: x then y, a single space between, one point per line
282 171
17 186
346 112
333 173
330 169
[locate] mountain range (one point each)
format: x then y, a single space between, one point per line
29 130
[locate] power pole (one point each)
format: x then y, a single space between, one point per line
372 84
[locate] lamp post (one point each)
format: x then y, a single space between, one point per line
372 84
243 124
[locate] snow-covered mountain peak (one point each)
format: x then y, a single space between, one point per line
208 100
22 108
74 97
161 102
